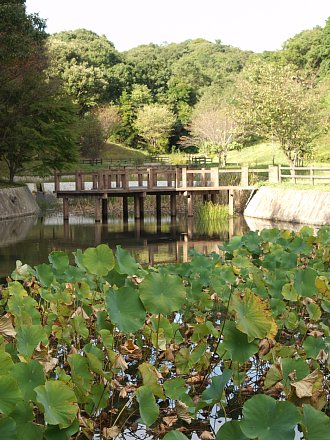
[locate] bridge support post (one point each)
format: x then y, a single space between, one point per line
125 208
97 209
104 210
66 209
213 197
137 207
141 201
173 205
158 205
190 205
231 201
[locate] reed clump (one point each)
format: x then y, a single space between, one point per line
212 212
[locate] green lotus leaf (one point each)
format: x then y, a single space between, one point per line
236 343
80 372
213 393
253 317
8 428
45 274
304 281
299 367
175 435
28 376
58 402
162 293
10 394
231 431
16 289
24 309
55 433
97 399
125 309
26 429
312 346
59 260
175 388
149 410
314 311
150 379
79 326
267 419
289 292
125 263
28 337
100 260
6 362
315 424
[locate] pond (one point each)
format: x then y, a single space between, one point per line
151 241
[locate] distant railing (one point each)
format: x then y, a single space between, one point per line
295 175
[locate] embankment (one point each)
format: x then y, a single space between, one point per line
288 205
17 202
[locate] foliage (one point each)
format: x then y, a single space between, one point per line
212 126
154 123
83 61
243 334
37 123
273 102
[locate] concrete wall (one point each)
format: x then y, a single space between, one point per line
288 205
17 202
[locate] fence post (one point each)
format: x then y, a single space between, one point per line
184 177
311 172
215 176
273 174
245 176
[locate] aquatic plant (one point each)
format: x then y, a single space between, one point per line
104 344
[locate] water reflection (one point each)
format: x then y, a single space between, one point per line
151 241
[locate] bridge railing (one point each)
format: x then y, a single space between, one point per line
148 178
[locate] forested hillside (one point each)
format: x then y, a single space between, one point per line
192 96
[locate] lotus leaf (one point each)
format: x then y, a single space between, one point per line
253 316
125 263
125 309
175 435
58 402
28 376
267 419
231 431
315 424
59 260
162 293
8 428
149 410
10 394
236 344
100 260
213 394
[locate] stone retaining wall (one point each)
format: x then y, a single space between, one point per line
298 206
17 202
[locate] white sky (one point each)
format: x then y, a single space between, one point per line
248 24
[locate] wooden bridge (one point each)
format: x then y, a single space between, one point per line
139 181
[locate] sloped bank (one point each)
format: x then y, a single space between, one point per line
17 202
289 205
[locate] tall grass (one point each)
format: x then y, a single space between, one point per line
211 212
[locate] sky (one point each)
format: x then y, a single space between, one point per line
255 25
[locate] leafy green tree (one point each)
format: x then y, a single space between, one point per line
37 123
154 123
83 61
92 140
274 102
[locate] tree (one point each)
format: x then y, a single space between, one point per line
37 123
212 126
84 61
274 102
154 123
91 137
